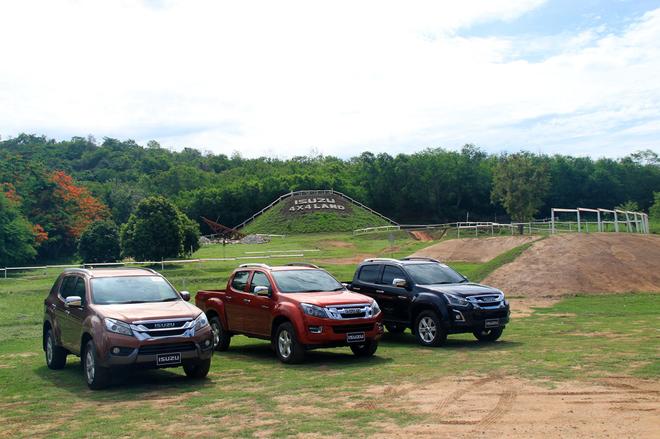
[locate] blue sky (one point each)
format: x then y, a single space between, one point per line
297 77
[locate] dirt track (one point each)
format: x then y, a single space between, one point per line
474 249
496 406
594 263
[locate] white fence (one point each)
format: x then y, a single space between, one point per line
621 220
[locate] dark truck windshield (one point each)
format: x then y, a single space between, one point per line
430 274
305 281
131 289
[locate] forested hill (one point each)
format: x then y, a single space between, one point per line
429 186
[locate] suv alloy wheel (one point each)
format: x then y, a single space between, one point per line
366 349
97 377
429 330
55 355
488 335
221 338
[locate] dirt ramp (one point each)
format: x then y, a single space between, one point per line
473 249
581 263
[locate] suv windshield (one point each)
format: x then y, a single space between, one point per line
305 281
430 274
131 289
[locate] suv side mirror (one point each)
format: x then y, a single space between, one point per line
73 301
185 295
401 283
262 291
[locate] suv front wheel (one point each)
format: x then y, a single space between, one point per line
288 348
197 370
97 377
366 349
429 330
221 338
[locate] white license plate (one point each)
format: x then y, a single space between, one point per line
492 323
166 359
355 337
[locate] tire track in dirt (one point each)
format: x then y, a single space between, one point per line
502 407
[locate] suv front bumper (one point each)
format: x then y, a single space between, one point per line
320 332
128 351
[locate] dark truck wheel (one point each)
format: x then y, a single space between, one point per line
97 377
287 347
221 338
429 330
55 355
395 328
366 349
488 335
197 370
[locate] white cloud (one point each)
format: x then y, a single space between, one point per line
280 78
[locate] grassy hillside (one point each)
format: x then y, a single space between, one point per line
277 220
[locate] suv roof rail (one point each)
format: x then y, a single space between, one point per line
301 264
381 259
254 264
419 258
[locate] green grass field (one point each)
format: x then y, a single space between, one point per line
249 393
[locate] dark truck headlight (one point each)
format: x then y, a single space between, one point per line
454 300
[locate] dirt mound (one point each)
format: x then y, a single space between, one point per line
421 236
473 249
581 263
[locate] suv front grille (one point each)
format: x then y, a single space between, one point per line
162 328
345 312
487 300
166 348
344 329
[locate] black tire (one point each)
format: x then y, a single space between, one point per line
395 328
366 349
221 338
55 355
197 370
488 335
97 377
287 347
429 330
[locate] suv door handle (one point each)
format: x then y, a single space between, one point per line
265 306
380 291
228 297
247 300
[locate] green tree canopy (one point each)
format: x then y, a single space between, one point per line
100 243
17 236
157 230
520 183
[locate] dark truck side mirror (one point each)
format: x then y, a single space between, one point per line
262 291
185 295
398 282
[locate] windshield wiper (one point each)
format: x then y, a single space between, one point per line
132 301
170 299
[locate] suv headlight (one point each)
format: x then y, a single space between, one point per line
314 311
118 327
456 300
201 321
375 309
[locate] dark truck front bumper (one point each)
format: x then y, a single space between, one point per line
472 318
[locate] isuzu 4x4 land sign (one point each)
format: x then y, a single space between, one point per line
297 307
123 317
431 299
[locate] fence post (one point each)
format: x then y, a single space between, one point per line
162 264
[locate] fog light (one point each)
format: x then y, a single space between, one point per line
316 329
207 343
458 316
115 350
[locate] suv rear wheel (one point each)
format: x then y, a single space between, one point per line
221 338
97 377
488 335
429 330
197 370
366 349
55 355
287 347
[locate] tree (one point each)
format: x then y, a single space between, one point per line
17 235
156 230
100 242
190 234
654 211
520 183
628 206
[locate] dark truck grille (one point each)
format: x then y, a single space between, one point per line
344 329
166 348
